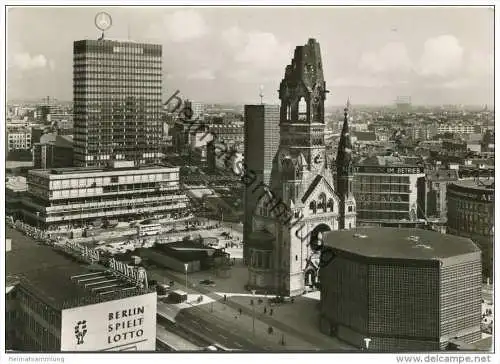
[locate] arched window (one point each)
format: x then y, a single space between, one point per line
322 202
330 205
288 112
302 109
312 206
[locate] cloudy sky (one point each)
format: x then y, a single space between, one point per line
435 55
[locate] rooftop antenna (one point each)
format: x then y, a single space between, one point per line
261 94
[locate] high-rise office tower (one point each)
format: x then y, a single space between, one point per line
262 139
117 90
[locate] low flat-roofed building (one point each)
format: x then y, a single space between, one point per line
57 303
15 187
405 289
195 254
68 197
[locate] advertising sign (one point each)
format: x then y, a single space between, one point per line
389 170
127 324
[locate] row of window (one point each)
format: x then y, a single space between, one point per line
382 215
381 188
389 207
104 211
134 54
459 323
401 197
456 271
472 206
80 73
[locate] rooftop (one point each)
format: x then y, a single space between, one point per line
477 183
400 243
365 135
50 275
75 170
16 184
387 160
443 175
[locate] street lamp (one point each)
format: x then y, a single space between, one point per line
253 312
186 271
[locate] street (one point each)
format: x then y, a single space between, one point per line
217 330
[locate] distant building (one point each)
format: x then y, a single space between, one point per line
435 206
386 191
117 97
403 103
471 214
262 138
67 197
18 138
233 132
54 154
37 132
404 289
456 128
363 137
90 308
197 109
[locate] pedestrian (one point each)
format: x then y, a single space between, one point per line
240 310
225 298
265 310
271 312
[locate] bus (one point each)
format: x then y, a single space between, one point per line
149 229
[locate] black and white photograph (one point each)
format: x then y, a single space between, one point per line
211 178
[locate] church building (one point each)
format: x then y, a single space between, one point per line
302 201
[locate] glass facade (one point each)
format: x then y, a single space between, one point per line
401 305
404 301
77 198
382 197
460 298
117 102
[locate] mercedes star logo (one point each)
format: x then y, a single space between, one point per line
103 21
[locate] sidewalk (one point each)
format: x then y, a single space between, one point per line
244 325
300 318
302 335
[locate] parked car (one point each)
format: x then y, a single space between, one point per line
207 282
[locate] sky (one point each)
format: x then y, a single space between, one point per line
436 55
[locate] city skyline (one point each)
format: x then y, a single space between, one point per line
371 54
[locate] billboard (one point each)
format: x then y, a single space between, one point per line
389 170
127 324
